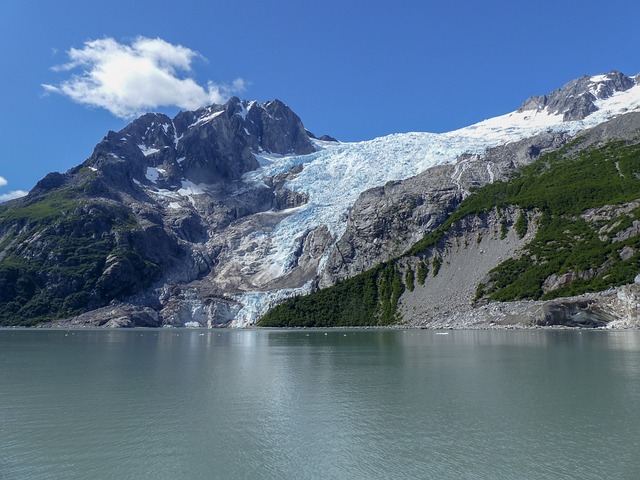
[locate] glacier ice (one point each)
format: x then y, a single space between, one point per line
337 173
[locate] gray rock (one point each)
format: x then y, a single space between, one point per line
573 313
116 315
575 100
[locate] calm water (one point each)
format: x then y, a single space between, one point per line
173 404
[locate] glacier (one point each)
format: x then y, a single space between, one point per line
337 173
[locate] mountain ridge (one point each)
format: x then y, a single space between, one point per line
576 99
236 207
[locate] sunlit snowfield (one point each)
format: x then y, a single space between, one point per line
348 404
336 174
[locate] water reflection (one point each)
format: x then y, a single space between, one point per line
319 404
626 340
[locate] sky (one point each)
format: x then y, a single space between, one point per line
356 70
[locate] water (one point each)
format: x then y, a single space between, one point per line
343 404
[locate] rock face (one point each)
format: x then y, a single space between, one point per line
576 99
115 315
213 145
472 248
469 252
387 220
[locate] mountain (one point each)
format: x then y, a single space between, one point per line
564 225
215 216
134 220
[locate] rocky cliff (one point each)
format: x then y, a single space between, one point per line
214 216
578 99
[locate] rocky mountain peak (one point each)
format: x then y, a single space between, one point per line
577 99
211 145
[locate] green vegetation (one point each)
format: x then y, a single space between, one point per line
423 271
436 264
54 252
504 229
45 210
409 279
565 244
522 224
370 298
556 190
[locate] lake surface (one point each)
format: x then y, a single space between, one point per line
343 404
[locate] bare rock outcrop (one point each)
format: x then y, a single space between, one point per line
469 250
575 100
116 315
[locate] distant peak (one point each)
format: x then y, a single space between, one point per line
576 99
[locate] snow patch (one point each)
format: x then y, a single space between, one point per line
490 173
146 151
207 118
243 111
263 159
322 144
618 103
510 127
176 139
152 174
189 188
164 193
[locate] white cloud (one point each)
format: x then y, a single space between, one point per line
129 80
11 195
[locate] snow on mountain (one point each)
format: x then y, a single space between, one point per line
334 176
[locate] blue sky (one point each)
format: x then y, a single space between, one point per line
352 69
